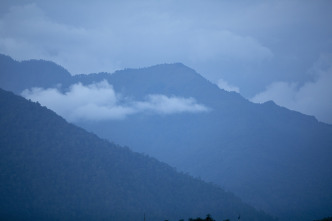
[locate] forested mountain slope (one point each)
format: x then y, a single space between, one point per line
273 158
52 170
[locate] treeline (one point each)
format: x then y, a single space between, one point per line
325 219
208 218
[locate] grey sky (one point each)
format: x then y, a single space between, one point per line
255 47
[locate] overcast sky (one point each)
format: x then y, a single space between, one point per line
265 50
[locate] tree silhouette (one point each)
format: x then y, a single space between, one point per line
208 218
325 219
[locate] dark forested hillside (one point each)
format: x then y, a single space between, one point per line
17 76
52 170
273 158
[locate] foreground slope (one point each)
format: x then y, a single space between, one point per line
52 170
273 158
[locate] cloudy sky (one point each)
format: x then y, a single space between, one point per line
265 50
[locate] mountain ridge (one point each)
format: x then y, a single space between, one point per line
264 153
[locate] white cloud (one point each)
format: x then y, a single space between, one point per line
222 84
100 102
169 105
312 98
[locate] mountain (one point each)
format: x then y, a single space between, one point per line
53 170
17 76
273 158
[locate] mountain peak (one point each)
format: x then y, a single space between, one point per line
17 76
168 65
4 58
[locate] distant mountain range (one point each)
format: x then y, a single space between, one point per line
273 158
53 170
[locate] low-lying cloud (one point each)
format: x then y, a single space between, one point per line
312 98
222 84
99 101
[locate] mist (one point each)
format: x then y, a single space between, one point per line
312 98
113 110
99 101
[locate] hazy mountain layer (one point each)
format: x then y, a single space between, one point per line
273 158
52 170
276 159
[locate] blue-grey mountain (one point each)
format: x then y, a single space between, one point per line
273 158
